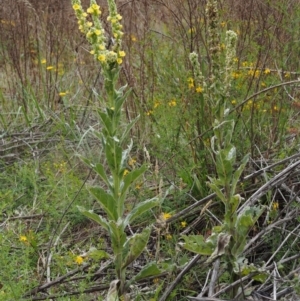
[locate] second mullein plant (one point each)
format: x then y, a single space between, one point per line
116 178
228 239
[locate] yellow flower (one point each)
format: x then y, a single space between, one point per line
119 61
62 93
133 38
122 53
168 236
236 60
92 51
76 6
199 89
172 103
79 260
263 84
131 162
223 24
275 206
287 75
23 238
156 104
97 32
183 224
43 61
119 17
102 58
155 280
233 102
138 186
126 172
50 68
102 47
150 112
166 215
267 71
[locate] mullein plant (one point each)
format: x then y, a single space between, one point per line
117 178
228 239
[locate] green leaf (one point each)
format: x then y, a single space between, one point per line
197 244
217 190
128 128
95 217
106 121
149 270
244 223
225 163
125 154
118 239
131 177
97 255
106 200
237 174
134 246
113 153
140 209
99 169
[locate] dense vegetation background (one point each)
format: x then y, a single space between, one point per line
49 96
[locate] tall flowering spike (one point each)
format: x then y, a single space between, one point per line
231 39
95 33
197 70
213 39
114 18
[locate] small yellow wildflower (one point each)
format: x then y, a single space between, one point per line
150 112
62 93
119 61
126 172
199 89
138 186
235 75
155 280
131 162
166 215
101 58
43 61
133 38
183 224
76 6
102 47
97 32
156 104
233 102
50 68
236 60
172 103
119 17
287 75
192 30
168 236
263 84
122 53
223 24
79 260
23 238
92 51
275 206
267 71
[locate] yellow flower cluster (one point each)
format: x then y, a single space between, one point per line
95 33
